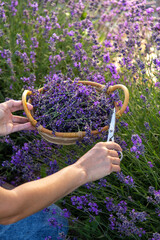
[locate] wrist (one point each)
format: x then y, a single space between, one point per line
81 173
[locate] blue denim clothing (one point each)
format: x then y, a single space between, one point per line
37 226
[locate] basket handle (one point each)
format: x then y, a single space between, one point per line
27 111
126 99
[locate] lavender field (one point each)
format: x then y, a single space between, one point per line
109 42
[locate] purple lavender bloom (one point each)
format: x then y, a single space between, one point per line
123 145
1 33
138 147
6 53
102 182
150 199
151 190
150 164
48 238
14 4
157 196
26 13
33 56
99 78
156 236
20 41
107 43
138 216
62 236
149 10
25 59
109 204
71 33
121 207
85 203
106 58
143 98
77 64
113 71
156 61
93 208
35 43
157 210
112 68
65 213
55 59
121 223
158 9
146 124
2 12
157 84
34 6
112 220
53 222
124 124
78 46
127 180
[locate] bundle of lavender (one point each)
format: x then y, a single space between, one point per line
69 106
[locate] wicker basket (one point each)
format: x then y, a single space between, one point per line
69 138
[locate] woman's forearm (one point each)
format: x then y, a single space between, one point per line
31 197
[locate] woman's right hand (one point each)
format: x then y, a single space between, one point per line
100 161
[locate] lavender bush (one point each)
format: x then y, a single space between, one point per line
103 41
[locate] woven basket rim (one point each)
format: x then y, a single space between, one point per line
79 134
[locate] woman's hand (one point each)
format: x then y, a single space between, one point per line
10 123
100 161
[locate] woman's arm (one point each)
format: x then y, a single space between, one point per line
32 197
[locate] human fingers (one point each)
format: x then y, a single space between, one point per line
110 145
16 105
115 161
24 126
30 107
112 153
19 119
115 168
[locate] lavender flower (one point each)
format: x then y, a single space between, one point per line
20 41
2 12
138 147
14 4
156 236
120 222
34 7
86 203
138 216
150 164
157 84
127 180
106 58
35 43
146 124
53 222
65 213
25 59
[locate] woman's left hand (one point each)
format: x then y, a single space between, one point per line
10 123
